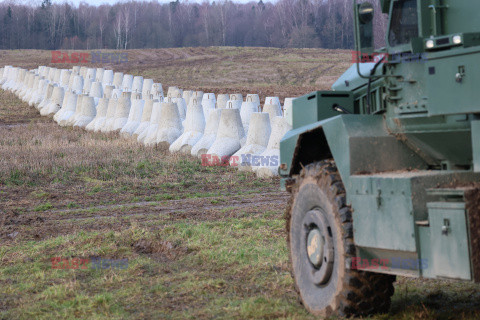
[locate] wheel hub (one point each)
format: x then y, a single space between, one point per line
315 243
319 246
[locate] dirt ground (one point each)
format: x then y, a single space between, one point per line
201 242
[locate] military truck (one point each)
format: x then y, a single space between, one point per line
384 170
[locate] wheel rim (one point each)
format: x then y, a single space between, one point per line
319 246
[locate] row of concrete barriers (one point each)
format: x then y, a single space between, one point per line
222 130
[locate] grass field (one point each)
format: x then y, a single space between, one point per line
201 242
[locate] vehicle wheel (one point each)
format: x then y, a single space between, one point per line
320 240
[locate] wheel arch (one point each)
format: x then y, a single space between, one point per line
303 146
312 146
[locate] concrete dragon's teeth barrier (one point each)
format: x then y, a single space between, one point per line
118 80
225 127
271 155
55 102
134 117
87 113
194 126
209 135
229 135
46 99
170 125
247 108
222 100
99 121
137 84
70 120
146 117
208 103
110 116
69 111
149 135
107 78
257 140
122 111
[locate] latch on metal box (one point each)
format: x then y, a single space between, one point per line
446 226
460 74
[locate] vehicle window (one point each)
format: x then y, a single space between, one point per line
404 23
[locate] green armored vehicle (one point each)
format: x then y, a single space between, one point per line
384 170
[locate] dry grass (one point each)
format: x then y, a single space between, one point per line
44 166
40 149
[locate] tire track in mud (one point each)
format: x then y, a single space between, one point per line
189 207
118 217
147 208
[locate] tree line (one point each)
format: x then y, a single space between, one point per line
140 24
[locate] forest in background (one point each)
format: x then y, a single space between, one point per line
142 24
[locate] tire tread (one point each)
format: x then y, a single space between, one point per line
363 293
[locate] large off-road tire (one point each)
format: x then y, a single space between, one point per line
320 240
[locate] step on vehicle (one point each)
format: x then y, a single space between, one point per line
384 170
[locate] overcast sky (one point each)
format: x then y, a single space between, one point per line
99 2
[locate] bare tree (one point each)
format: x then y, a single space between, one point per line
126 23
133 24
117 30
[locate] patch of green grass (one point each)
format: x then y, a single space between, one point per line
145 168
39 194
84 210
16 178
222 199
72 205
224 210
94 190
43 207
202 195
165 196
202 254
